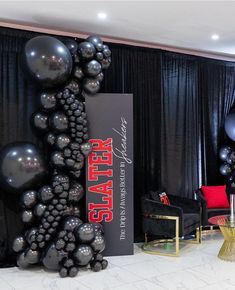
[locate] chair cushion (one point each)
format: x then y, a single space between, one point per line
191 219
215 196
160 196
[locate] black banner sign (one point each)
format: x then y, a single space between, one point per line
109 174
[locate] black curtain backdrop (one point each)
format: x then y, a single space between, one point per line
180 104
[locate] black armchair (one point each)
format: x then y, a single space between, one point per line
209 212
179 219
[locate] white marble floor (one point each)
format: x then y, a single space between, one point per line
197 268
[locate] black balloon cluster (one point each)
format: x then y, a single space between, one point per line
227 154
55 234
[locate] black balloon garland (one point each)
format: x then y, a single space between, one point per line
55 234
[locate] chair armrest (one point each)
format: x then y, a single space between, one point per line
152 207
188 205
201 199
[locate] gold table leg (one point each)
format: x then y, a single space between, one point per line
227 251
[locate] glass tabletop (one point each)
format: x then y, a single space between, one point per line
222 221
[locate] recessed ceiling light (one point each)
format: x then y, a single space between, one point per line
215 36
102 15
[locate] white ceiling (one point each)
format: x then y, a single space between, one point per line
183 24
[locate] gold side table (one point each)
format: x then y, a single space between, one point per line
227 227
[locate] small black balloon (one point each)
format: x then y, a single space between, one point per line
86 50
40 121
76 192
32 257
62 141
28 199
104 264
107 52
224 152
19 244
50 139
86 148
95 40
39 209
21 261
27 216
31 234
83 255
91 86
59 122
52 257
99 56
45 193
106 63
100 77
63 272
85 233
48 101
98 244
78 73
57 159
71 45
74 86
96 266
70 223
73 271
92 68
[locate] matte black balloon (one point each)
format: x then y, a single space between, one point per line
22 167
91 86
21 261
45 194
78 73
48 101
59 122
28 199
83 255
70 223
19 244
92 68
71 45
53 257
73 86
96 266
86 50
76 192
98 244
104 264
39 209
85 233
73 271
95 40
32 257
224 151
225 169
31 234
50 139
47 60
57 159
230 126
40 121
86 148
27 216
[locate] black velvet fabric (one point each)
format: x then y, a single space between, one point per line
188 221
209 212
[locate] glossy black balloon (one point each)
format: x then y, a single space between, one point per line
78 73
230 126
19 244
45 194
57 159
85 233
91 86
86 148
50 139
92 68
52 257
73 86
106 63
28 199
100 77
95 40
62 141
86 50
40 121
47 60
59 122
225 169
70 223
98 228
98 244
48 101
71 45
22 262
32 256
107 52
31 234
27 216
39 209
224 152
83 255
22 166
76 192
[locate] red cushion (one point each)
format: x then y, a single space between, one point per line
215 196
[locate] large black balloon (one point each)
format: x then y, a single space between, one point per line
85 233
230 126
47 60
95 40
59 122
52 257
22 166
83 255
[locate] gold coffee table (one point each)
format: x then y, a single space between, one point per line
227 227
